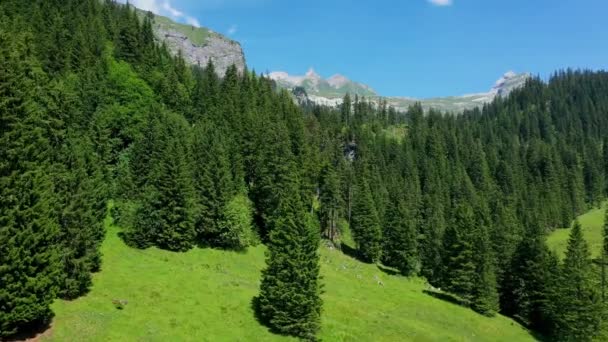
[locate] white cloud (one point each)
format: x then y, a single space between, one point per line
172 11
232 30
164 7
193 21
147 5
441 2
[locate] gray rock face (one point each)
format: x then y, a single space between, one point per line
222 51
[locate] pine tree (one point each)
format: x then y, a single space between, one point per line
484 294
365 224
82 205
213 182
331 203
165 217
458 259
526 287
29 231
578 302
289 300
400 247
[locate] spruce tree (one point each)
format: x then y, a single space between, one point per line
165 216
81 207
484 294
526 286
289 300
365 225
400 247
331 203
29 229
458 254
213 183
578 300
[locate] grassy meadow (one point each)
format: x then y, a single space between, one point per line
592 223
205 295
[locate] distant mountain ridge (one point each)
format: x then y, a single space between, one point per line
332 87
330 91
200 45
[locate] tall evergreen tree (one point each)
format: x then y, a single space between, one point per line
331 203
212 180
526 287
289 300
29 229
578 303
365 224
458 259
165 216
400 246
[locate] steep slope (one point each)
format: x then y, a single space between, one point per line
199 44
205 294
592 223
330 91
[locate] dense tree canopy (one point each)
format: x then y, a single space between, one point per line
93 108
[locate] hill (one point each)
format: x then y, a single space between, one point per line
592 223
205 295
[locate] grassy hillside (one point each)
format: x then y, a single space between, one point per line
205 295
592 223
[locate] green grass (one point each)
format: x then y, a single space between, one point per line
205 295
197 35
592 223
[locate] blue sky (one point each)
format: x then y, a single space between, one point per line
419 48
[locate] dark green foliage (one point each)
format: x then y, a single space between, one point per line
213 182
400 247
527 282
577 300
365 224
289 300
459 266
165 217
485 295
29 229
92 108
331 203
81 218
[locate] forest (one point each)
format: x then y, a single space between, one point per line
94 109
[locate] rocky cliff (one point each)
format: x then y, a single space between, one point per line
199 44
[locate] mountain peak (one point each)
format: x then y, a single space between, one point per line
312 74
338 81
508 82
334 87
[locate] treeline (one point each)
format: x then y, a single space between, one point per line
467 200
93 108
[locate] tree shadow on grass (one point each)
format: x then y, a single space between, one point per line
352 252
32 331
447 297
388 270
257 313
450 298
